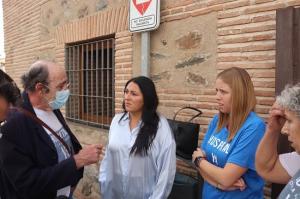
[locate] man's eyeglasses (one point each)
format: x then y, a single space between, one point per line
63 85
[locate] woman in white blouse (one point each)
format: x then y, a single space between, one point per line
140 161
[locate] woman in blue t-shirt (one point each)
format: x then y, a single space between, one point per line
227 154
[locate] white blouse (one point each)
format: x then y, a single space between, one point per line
125 176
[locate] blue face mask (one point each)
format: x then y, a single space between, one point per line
60 100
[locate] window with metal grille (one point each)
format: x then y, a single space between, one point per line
90 69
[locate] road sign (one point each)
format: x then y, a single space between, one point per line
144 15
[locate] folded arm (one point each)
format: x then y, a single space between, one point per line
239 184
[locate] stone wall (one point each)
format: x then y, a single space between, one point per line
196 40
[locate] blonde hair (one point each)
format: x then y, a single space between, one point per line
243 99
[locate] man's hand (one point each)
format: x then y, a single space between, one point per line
88 155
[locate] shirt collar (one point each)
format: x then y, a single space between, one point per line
126 117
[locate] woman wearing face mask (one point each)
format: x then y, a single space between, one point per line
48 160
226 158
283 168
9 96
140 161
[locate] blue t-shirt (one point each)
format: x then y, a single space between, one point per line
240 151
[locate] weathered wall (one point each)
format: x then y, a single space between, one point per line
29 27
196 40
183 59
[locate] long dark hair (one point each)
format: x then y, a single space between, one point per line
9 90
150 118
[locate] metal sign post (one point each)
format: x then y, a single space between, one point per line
145 48
144 15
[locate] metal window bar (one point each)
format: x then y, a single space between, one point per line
67 63
90 69
102 80
92 94
112 111
107 75
97 91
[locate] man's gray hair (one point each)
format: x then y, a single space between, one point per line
290 98
38 73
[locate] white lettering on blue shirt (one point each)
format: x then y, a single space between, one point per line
214 158
219 144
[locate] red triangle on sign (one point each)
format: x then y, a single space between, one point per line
141 5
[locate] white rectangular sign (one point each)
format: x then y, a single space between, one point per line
144 15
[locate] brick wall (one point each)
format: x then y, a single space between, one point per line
21 31
245 38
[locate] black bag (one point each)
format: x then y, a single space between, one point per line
186 134
186 187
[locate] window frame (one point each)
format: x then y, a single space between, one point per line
91 68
